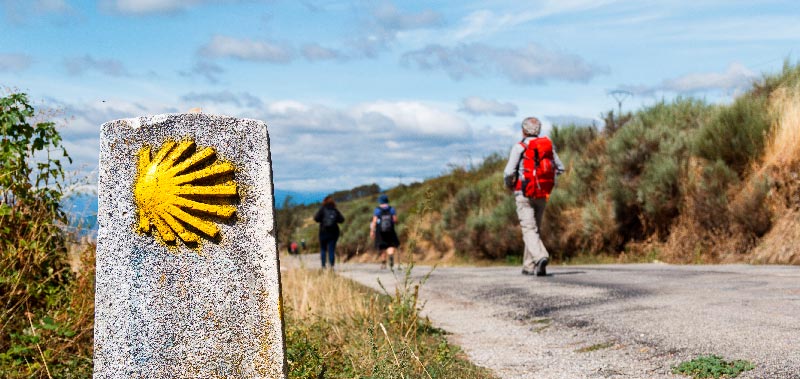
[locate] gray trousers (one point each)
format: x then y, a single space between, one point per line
530 212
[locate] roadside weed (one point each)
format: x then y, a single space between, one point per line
712 366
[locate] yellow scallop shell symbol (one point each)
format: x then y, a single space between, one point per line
180 188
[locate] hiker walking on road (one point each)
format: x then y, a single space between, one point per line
381 229
530 172
329 219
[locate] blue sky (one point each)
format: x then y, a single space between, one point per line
356 92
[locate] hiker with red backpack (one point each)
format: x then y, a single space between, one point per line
329 219
381 229
531 173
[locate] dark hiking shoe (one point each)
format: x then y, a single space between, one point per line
541 267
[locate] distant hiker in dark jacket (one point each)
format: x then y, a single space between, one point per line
329 219
381 229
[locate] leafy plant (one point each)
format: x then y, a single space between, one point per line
48 310
712 366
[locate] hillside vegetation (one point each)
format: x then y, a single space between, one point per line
681 181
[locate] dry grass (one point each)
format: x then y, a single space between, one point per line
336 328
309 293
783 146
781 165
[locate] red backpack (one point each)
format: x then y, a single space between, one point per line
538 168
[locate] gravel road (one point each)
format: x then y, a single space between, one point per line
611 321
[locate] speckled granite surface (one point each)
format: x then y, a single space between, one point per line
211 310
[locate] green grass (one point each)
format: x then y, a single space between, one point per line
712 366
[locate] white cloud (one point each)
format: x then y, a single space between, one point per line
736 76
531 64
413 118
18 11
390 18
146 7
206 69
384 23
15 62
371 142
80 65
242 99
246 49
315 52
485 22
478 106
287 106
735 79
52 6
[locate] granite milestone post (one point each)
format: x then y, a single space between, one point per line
188 279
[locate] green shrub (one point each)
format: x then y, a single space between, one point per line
47 321
598 226
707 195
646 157
572 138
736 134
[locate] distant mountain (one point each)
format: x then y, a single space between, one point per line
81 208
298 198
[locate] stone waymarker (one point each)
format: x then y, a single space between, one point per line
188 279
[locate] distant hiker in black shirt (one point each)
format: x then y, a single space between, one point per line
381 229
329 219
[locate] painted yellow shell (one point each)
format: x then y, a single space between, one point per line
175 192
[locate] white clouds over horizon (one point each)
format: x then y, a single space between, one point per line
735 79
378 141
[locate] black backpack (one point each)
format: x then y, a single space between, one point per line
329 216
385 220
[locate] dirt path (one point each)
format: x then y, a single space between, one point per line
612 321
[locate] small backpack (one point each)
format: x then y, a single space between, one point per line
538 168
385 220
329 218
